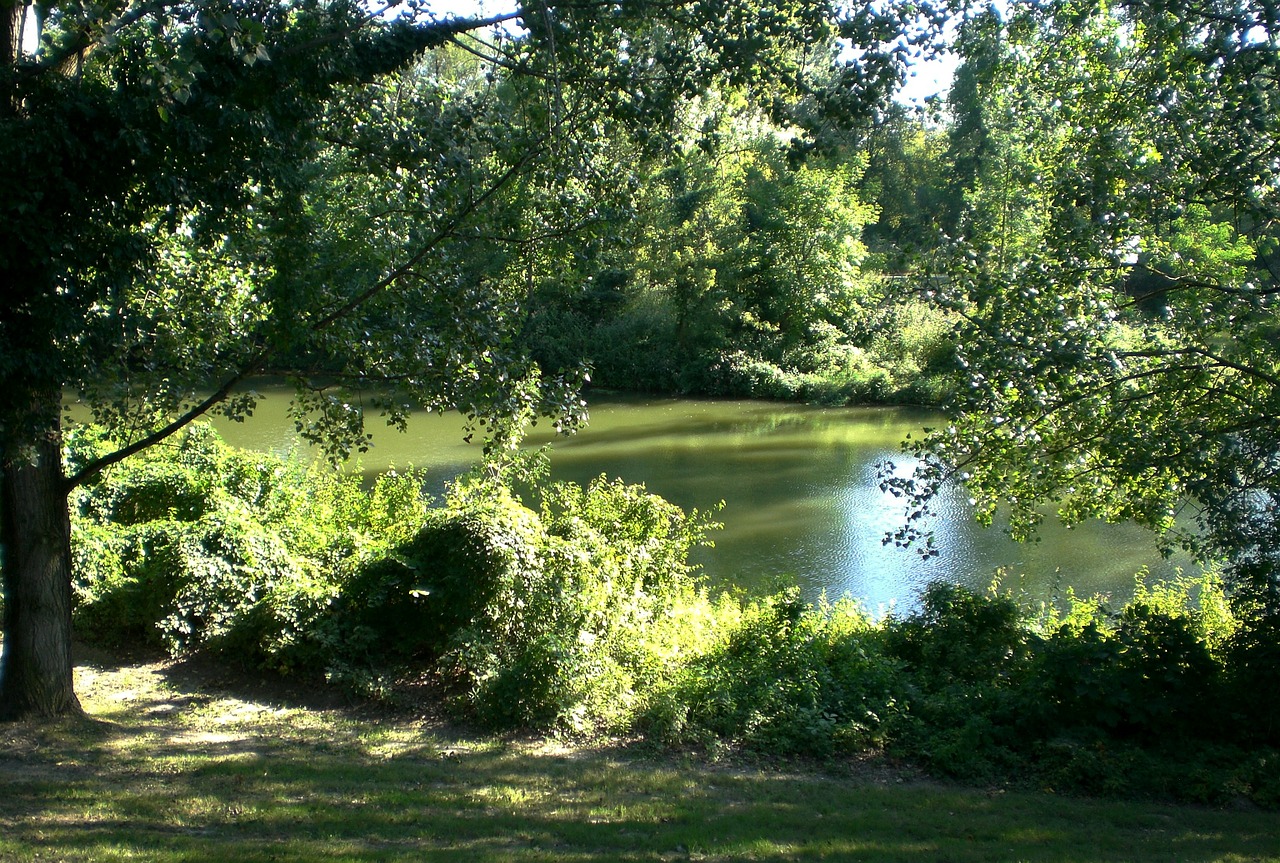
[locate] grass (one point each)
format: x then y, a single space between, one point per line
175 765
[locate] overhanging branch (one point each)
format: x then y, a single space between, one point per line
219 395
257 363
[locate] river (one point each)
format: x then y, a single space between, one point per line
800 492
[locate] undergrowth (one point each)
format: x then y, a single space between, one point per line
573 609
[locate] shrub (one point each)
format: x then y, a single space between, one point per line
201 546
784 678
226 565
915 340
154 491
460 570
1252 659
180 585
637 350
1151 677
602 611
1149 671
964 659
124 580
111 607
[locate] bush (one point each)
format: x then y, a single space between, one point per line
964 660
563 617
959 637
605 609
1252 659
1135 701
637 350
226 564
154 491
460 570
201 546
125 580
784 679
1149 677
180 585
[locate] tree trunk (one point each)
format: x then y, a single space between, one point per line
35 669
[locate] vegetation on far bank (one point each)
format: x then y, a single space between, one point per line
573 610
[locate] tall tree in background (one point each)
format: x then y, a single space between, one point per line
196 193
908 179
1124 358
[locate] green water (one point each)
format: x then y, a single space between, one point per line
800 489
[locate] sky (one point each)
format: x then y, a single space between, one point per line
929 78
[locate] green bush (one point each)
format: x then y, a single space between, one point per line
460 570
563 617
180 585
784 678
964 661
1135 701
637 350
201 546
227 563
604 609
155 491
112 603
1252 659
959 637
1150 677
566 616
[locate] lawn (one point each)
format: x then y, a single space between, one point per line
181 764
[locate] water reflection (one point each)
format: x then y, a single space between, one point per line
801 492
803 500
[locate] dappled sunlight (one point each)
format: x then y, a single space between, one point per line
214 779
206 738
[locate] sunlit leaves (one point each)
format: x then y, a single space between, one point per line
1119 290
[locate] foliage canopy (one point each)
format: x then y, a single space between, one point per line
1115 269
198 193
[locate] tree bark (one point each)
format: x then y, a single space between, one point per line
35 528
11 29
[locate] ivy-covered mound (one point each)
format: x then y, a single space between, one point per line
578 612
562 616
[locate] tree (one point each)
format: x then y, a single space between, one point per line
739 240
198 193
909 180
1123 361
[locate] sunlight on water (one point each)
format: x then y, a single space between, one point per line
802 498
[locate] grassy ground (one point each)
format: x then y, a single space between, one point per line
177 766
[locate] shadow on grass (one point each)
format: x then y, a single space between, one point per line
168 773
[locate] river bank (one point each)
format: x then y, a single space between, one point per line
801 489
181 762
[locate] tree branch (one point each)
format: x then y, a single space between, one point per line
1217 360
219 395
256 364
430 246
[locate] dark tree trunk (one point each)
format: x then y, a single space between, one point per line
35 669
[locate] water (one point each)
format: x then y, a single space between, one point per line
801 497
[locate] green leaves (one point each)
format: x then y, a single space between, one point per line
1111 273
236 188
